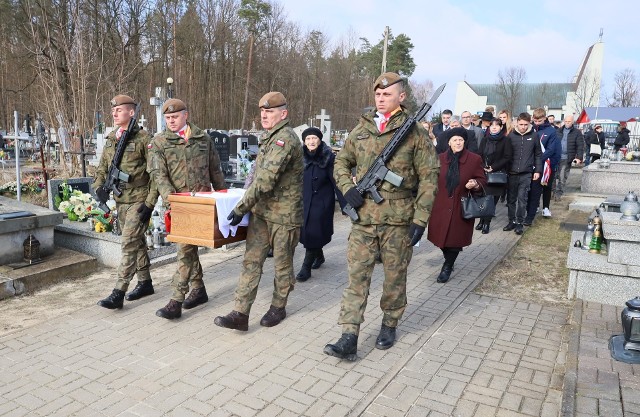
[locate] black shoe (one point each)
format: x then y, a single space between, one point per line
143 289
479 225
519 229
173 310
196 297
234 320
319 259
273 317
305 270
386 337
485 228
527 222
445 273
345 348
509 227
113 301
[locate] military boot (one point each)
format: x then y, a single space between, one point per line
171 311
345 348
143 289
273 317
305 269
196 297
113 301
234 320
386 338
319 259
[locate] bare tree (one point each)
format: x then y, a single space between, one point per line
626 91
542 95
509 86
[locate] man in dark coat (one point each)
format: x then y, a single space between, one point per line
445 116
572 143
319 193
623 137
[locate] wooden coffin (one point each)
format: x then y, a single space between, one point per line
194 221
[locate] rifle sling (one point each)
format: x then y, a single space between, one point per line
396 195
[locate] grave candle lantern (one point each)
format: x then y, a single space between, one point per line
31 249
631 324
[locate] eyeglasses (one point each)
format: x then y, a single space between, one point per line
466 117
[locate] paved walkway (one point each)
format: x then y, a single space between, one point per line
458 353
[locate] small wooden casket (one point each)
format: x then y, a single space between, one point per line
194 220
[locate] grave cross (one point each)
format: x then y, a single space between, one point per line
142 121
325 126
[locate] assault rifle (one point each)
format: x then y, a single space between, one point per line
115 175
378 171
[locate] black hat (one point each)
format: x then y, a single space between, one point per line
486 116
311 131
455 131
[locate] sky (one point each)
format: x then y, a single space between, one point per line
473 40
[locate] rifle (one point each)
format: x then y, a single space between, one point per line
378 171
115 175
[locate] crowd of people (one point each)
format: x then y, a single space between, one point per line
292 189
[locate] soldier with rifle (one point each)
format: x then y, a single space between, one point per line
397 172
123 171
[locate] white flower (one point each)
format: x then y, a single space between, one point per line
74 200
78 209
64 205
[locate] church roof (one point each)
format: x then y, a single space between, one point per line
552 95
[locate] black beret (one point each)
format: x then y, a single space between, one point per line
311 131
456 131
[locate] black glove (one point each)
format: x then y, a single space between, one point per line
354 198
415 233
234 218
144 213
102 194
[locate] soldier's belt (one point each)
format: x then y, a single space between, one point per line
137 183
397 195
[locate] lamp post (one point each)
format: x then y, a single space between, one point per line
626 347
170 87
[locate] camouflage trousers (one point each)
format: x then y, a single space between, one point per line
189 269
365 243
135 258
261 235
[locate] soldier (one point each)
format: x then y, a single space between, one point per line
134 206
390 228
183 159
274 199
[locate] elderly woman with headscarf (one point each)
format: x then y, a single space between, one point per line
319 200
461 171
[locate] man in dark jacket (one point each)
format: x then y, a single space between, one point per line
623 137
571 143
445 116
525 161
552 151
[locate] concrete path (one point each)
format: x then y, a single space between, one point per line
457 353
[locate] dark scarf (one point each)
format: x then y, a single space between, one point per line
453 174
319 157
491 144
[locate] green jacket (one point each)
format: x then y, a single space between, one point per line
134 162
276 191
415 161
178 166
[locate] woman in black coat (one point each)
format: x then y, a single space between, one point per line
496 153
318 197
623 137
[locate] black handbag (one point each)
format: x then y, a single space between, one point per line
475 207
496 178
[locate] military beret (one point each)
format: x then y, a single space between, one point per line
121 99
386 80
455 131
173 105
311 131
272 99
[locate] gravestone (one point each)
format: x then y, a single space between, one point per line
53 188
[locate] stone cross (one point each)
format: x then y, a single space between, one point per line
142 121
325 126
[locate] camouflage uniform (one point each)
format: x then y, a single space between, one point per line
138 191
179 165
383 228
275 201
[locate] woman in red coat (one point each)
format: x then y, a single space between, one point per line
460 171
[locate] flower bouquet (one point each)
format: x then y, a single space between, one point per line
79 206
